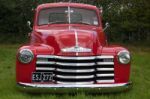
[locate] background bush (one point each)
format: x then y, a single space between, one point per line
129 19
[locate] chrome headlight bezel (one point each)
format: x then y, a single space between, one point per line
25 56
124 57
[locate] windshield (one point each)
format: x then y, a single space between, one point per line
65 15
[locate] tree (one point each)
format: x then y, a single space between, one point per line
129 19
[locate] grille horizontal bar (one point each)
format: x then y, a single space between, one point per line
81 83
75 67
104 75
105 63
75 64
75 58
105 69
66 58
105 57
106 81
44 68
75 77
42 62
76 71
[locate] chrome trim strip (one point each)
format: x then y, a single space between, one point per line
106 81
76 38
77 45
76 71
44 63
104 75
76 49
79 83
69 14
75 77
75 58
71 85
75 64
103 69
44 68
103 57
105 63
45 56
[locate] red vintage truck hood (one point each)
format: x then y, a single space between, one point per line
69 40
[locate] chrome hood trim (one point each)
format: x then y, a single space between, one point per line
76 48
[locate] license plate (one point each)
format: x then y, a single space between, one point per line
42 77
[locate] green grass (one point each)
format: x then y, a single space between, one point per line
140 77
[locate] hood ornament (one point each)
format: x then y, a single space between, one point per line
76 49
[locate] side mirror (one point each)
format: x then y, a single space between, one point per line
101 10
29 25
106 26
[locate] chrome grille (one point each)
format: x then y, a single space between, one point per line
105 70
77 70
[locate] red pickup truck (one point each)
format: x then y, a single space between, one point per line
68 52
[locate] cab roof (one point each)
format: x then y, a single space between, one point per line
62 4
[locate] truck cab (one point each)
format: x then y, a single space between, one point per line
69 52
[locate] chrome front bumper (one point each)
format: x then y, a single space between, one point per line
73 88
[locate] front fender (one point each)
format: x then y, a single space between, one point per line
121 71
24 71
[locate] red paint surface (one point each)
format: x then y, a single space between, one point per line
50 39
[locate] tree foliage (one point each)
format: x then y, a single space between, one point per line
129 19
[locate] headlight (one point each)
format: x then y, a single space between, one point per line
124 57
25 56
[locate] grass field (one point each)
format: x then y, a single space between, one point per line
140 77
